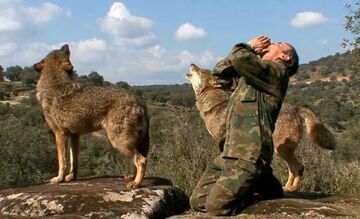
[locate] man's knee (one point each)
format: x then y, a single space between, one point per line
221 201
217 210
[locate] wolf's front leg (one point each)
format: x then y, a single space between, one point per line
61 139
74 157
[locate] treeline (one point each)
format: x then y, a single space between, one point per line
29 76
179 95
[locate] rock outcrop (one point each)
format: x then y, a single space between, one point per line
108 197
294 205
94 198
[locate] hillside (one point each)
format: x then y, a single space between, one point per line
341 66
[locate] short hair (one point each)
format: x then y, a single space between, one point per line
293 63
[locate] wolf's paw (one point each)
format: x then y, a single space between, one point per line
69 177
133 185
56 179
290 189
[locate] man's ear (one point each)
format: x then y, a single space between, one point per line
285 57
66 49
39 66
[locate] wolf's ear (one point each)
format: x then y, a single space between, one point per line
66 49
39 66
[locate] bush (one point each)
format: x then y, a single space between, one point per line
181 148
26 155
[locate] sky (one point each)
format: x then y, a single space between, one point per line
145 42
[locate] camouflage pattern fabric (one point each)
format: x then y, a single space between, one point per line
248 146
222 182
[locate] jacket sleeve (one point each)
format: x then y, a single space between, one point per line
265 76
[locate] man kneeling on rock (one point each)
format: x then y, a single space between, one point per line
262 70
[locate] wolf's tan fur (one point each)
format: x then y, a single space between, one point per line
212 98
72 109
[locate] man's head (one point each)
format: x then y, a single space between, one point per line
282 52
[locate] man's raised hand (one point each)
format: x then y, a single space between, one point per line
260 44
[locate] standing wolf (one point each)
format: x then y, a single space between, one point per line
212 97
71 109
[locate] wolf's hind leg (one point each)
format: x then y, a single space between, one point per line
126 143
295 173
296 183
289 182
74 157
140 163
298 172
287 152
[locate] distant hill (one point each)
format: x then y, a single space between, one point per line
341 66
330 86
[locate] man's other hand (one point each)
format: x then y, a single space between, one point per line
260 44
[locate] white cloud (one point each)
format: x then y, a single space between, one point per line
31 53
204 59
45 13
7 3
7 48
157 51
323 42
152 65
133 54
188 31
143 41
308 19
126 28
15 16
7 24
88 50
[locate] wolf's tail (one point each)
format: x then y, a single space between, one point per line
316 130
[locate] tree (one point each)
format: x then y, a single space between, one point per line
14 73
96 79
123 84
352 25
30 76
1 74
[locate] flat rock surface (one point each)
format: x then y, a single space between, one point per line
106 197
294 205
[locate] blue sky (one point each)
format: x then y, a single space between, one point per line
154 41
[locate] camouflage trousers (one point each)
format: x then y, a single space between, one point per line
227 186
223 181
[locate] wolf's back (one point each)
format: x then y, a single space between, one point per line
316 130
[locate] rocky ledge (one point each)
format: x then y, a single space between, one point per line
294 206
108 197
105 197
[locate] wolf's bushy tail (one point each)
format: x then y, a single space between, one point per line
316 130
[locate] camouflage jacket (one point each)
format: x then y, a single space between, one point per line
261 89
